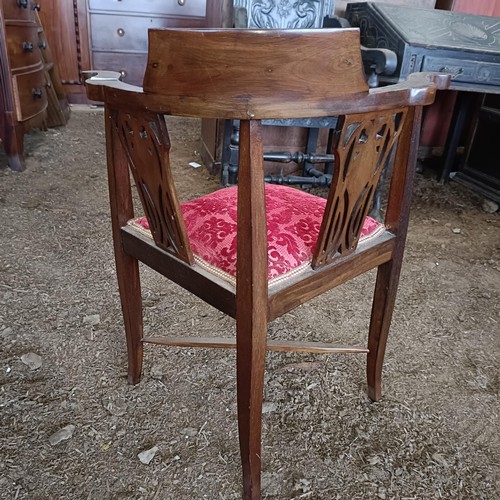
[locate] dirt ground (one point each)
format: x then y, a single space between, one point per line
434 435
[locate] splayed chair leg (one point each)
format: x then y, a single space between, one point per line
127 269
383 305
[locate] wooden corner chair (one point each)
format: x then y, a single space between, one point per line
256 252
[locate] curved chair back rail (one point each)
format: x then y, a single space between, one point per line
285 74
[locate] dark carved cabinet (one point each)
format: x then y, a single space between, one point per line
23 80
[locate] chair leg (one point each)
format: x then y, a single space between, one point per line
250 380
127 270
383 304
251 303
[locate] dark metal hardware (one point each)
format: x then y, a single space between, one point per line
42 44
22 3
28 46
37 7
299 157
36 93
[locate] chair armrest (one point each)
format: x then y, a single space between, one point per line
99 79
418 86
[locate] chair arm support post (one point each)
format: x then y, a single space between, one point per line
127 267
387 282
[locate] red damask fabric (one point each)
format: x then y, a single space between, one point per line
293 223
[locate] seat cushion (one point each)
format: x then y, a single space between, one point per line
293 222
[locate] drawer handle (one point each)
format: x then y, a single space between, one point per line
36 93
120 32
181 2
22 3
27 47
123 73
37 6
42 44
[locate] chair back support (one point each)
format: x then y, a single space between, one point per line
363 144
216 72
144 138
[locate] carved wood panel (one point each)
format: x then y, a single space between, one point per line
266 14
145 139
362 146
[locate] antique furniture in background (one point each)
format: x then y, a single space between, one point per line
480 169
261 14
119 31
66 28
58 109
484 7
257 251
425 4
215 134
272 14
465 45
110 34
23 79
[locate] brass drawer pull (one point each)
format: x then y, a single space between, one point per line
28 47
37 93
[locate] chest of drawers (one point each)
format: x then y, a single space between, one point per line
23 80
118 30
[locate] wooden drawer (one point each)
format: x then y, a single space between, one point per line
127 33
190 8
131 66
13 12
25 85
18 41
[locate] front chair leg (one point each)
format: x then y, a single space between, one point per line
127 269
383 304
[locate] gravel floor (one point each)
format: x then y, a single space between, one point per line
435 434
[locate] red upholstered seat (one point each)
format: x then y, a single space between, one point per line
293 222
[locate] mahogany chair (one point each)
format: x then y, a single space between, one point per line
256 252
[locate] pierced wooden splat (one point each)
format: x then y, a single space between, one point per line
362 146
145 139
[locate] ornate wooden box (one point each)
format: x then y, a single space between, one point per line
465 45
